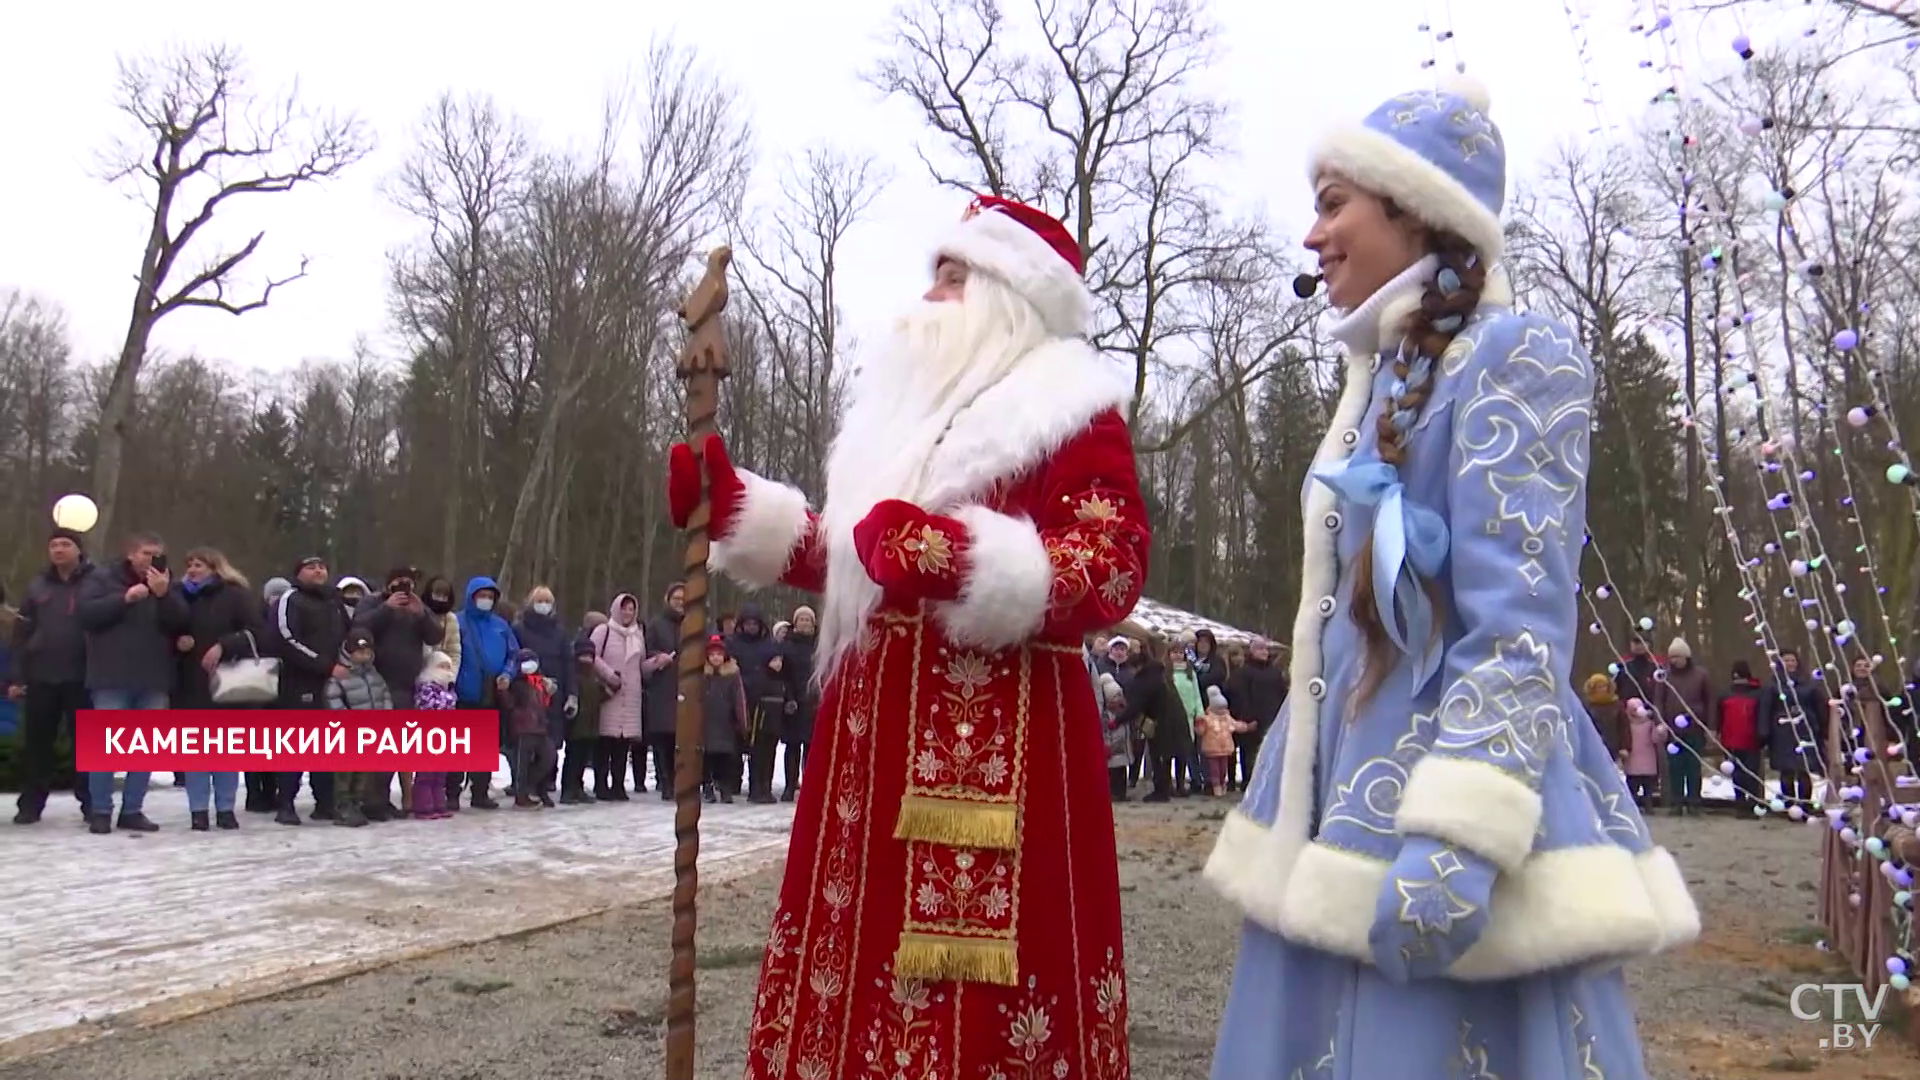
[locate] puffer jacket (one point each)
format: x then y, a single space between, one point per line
362 687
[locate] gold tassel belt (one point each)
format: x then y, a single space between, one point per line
944 957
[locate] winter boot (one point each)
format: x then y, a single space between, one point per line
525 802
201 822
137 823
350 816
480 801
546 801
225 820
99 824
286 815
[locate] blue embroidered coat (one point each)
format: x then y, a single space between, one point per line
1491 755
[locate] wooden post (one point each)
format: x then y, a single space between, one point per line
702 364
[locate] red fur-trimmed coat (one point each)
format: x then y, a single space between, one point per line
951 905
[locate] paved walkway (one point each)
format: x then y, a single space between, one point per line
176 922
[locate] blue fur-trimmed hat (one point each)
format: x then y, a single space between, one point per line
1435 153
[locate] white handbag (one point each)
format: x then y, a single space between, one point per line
250 680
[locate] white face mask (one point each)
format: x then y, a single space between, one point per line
530 667
483 604
541 607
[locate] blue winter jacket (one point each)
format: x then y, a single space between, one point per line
487 645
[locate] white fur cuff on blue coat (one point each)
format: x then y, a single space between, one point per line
1472 805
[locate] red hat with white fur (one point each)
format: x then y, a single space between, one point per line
1032 252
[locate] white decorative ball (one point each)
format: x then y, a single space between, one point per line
1469 89
75 512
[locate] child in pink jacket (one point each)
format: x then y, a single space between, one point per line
1640 758
1216 728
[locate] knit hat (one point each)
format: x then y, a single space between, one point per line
357 640
351 582
1215 698
78 538
523 656
1435 153
1110 686
1029 250
583 647
1680 650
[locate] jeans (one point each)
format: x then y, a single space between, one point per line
133 796
1683 778
221 785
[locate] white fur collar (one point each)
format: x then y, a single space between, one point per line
1377 319
1012 426
1376 322
1050 396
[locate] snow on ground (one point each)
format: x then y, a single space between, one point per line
100 925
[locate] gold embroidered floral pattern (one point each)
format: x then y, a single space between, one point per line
903 1042
969 747
773 1003
1107 1041
1031 1050
826 950
1096 508
922 547
960 890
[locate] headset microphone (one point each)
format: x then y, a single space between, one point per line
1306 285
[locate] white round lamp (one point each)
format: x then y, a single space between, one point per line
75 512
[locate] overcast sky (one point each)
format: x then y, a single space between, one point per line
1290 67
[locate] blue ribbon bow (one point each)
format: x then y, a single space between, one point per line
1409 542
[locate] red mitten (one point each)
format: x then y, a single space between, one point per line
910 553
683 484
726 491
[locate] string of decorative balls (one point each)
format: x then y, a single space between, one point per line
1800 546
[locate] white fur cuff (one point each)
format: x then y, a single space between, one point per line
1473 805
1008 583
1562 909
772 521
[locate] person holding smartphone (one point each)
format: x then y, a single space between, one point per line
404 632
132 615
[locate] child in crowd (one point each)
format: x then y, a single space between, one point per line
726 721
1216 728
1119 735
528 698
583 730
434 690
361 688
1640 759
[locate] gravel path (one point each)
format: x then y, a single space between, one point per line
583 1001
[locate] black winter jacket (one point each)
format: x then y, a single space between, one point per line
49 643
309 629
1783 725
1255 693
219 614
798 649
400 641
129 646
1151 696
660 691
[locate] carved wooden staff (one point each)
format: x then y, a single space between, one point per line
702 364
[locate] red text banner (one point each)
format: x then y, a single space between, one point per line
279 740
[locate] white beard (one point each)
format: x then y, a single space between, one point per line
943 355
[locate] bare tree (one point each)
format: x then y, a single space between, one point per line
467 170
1102 125
793 290
199 132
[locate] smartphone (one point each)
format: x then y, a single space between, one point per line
160 562
400 587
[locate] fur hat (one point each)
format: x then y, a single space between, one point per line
440 669
1679 650
1029 250
1435 153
